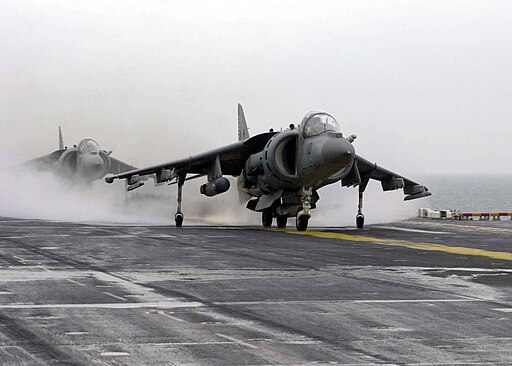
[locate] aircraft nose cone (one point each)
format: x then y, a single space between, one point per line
93 164
338 151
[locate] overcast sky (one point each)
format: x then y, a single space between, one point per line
426 85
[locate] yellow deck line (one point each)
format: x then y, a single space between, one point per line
406 244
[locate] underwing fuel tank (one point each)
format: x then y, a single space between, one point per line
215 187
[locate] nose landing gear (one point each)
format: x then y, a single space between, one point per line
303 216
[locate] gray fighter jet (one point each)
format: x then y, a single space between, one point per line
281 171
83 163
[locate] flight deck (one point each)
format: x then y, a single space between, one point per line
417 292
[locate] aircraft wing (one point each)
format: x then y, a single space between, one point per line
117 166
45 163
367 170
232 159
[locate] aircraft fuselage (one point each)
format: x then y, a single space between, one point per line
85 163
296 160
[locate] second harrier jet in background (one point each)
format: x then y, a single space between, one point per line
83 163
282 171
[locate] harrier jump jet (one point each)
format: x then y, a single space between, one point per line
83 163
281 171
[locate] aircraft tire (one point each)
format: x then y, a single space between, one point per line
359 221
282 221
302 223
267 217
178 218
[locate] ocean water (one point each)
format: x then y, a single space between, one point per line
469 192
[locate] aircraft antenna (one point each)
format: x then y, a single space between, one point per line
61 140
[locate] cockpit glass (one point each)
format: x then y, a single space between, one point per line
318 123
89 146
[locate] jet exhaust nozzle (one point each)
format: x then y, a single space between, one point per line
215 187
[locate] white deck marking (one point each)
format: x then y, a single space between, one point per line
113 236
114 354
306 342
505 310
76 333
33 236
10 221
397 228
456 363
242 343
383 301
161 312
219 236
75 282
130 305
115 296
191 344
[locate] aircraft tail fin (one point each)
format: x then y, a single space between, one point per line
243 131
61 140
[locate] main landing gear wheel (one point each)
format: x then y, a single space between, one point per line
267 217
282 221
302 222
359 221
178 218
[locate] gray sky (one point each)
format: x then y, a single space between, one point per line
426 85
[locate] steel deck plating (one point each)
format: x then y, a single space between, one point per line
416 292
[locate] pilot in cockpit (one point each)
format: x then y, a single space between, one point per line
316 123
89 146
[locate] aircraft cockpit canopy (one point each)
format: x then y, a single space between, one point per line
89 146
315 123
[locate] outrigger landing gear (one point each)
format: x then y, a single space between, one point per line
178 218
360 216
303 216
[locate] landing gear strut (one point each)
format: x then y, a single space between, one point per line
178 218
360 216
303 216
